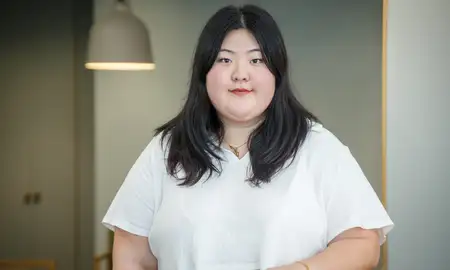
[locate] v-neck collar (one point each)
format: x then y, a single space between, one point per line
231 157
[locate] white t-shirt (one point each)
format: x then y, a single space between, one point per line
224 223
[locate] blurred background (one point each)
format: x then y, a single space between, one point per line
69 135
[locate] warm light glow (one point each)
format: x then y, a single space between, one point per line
120 66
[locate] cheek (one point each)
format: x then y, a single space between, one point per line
265 83
216 84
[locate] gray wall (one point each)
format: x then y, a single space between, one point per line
335 53
418 134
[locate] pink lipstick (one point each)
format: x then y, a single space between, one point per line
240 91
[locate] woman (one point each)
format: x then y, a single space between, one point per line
244 177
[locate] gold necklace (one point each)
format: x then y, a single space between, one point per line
235 149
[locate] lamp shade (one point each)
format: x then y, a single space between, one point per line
120 41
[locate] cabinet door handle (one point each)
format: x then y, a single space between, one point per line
37 197
27 198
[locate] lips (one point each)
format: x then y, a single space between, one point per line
241 91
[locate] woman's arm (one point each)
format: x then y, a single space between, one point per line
132 252
354 249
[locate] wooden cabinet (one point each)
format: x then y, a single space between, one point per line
44 134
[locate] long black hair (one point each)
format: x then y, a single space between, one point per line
195 131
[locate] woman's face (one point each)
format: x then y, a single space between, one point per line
239 84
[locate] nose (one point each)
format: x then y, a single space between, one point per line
240 73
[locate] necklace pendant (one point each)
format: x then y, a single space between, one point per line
235 151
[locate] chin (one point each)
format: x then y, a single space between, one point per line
242 117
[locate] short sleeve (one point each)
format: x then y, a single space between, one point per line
133 206
350 201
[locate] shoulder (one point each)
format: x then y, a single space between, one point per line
321 142
329 159
323 152
155 150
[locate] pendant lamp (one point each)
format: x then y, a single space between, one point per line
120 41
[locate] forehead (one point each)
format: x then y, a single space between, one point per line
240 40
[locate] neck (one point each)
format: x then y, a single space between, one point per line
237 133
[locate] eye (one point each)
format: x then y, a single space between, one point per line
257 61
224 60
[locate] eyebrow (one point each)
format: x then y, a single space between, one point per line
249 51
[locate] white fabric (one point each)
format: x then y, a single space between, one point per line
224 223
